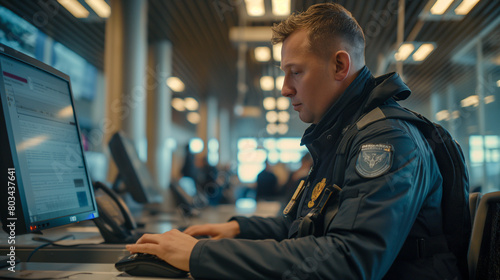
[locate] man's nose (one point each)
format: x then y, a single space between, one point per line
287 90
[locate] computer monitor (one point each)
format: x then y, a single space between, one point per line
44 178
187 196
132 171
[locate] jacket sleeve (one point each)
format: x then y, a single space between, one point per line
374 218
262 228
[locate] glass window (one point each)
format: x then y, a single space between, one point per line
469 107
19 34
252 156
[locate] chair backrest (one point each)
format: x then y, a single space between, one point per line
484 249
474 199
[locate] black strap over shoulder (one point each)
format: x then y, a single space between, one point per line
451 162
377 114
419 248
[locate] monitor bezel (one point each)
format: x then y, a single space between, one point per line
8 148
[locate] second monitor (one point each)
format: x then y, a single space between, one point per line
132 172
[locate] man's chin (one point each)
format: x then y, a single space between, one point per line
305 119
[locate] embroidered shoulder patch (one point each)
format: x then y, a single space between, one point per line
374 160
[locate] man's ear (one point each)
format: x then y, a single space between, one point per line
342 61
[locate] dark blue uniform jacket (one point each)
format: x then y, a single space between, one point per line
391 192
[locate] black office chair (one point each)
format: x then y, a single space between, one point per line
484 249
474 199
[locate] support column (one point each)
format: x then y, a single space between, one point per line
125 70
47 49
224 137
134 75
400 34
159 113
201 130
435 106
212 129
450 105
481 114
113 72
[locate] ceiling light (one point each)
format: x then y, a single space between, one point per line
191 104
267 83
271 117
193 117
489 99
75 8
404 51
279 82
455 114
422 52
283 116
247 144
65 112
178 104
196 145
100 7
213 144
282 103
262 54
277 52
443 115
440 7
272 128
269 103
255 8
465 7
498 83
472 100
281 7
32 142
175 84
282 128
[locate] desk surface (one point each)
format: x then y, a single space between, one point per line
95 260
90 271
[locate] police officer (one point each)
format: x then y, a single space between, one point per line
389 196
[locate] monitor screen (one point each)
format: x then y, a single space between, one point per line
45 178
133 172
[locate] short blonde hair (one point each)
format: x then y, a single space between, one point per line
324 22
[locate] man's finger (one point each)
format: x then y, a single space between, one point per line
148 238
196 230
147 248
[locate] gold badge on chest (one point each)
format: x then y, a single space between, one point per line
316 192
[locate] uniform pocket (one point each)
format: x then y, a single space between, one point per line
350 201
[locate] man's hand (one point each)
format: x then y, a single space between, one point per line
216 231
173 246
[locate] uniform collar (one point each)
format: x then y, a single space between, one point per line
363 94
350 99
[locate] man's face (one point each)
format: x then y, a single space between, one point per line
309 78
